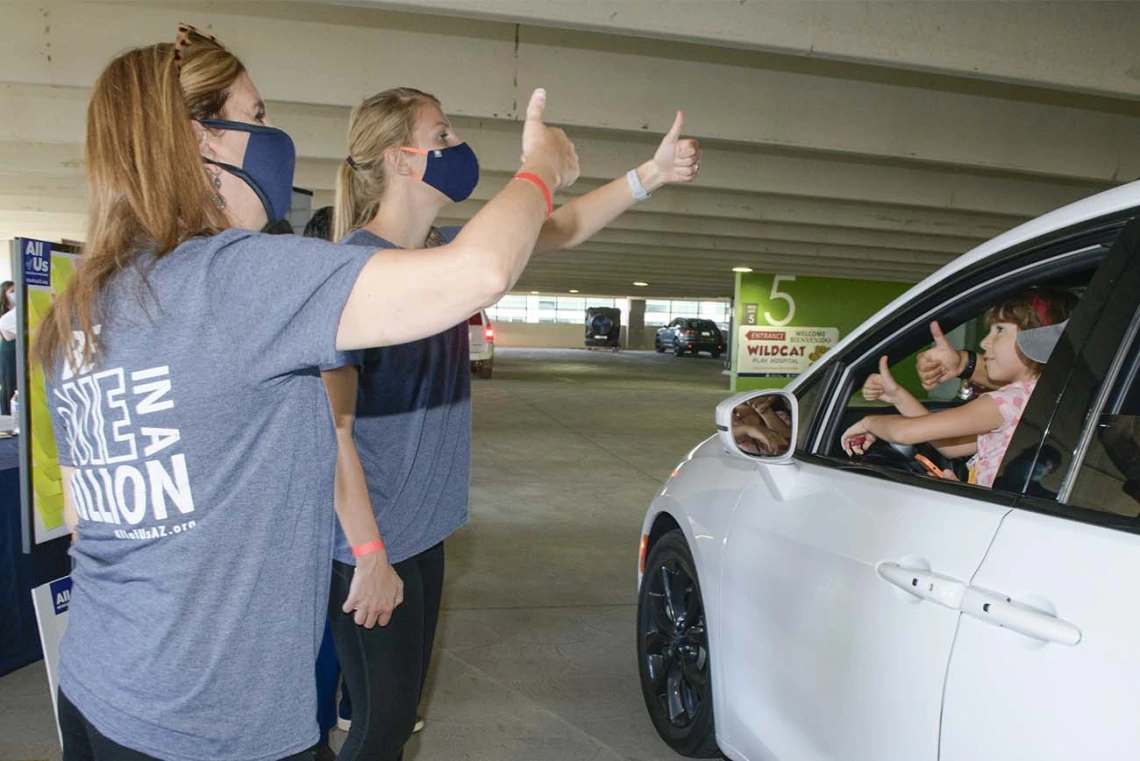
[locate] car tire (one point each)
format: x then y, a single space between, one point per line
657 345
678 349
486 369
716 355
674 662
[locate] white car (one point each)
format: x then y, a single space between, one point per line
807 606
481 335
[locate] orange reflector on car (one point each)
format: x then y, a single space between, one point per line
641 553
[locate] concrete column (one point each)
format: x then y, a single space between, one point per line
636 329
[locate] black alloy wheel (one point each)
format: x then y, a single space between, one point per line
673 651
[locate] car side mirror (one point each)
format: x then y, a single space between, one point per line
759 425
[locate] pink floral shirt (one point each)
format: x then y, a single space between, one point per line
1011 400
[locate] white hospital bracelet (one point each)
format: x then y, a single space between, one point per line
635 185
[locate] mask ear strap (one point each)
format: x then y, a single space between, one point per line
244 176
418 152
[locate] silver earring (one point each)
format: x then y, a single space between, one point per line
216 181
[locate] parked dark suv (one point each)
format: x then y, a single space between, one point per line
690 334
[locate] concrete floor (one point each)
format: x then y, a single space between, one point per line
535 658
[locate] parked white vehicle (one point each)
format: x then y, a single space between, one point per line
481 334
808 606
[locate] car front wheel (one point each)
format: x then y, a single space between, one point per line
673 651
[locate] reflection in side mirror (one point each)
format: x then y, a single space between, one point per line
759 425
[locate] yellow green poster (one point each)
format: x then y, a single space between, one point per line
46 270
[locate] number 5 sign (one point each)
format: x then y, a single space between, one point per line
776 294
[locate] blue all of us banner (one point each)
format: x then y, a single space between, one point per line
61 594
37 262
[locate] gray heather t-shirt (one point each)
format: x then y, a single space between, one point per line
204 454
413 433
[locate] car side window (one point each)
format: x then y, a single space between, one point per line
867 390
809 398
1109 476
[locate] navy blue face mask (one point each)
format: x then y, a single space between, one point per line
453 171
270 158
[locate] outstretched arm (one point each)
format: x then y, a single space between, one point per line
979 416
676 160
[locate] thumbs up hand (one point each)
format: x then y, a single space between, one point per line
882 385
677 159
546 147
940 363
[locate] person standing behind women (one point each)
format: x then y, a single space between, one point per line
201 490
7 345
405 165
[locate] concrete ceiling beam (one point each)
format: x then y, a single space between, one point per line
1079 46
486 69
56 115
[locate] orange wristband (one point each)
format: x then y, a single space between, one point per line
367 548
531 177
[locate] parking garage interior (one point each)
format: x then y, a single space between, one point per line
853 148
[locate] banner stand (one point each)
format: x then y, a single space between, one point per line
51 602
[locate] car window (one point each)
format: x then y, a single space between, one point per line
961 317
809 398
1108 479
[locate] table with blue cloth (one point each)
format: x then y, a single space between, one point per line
19 573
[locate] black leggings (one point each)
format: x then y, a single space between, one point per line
82 742
385 667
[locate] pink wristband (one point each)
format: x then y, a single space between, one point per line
534 178
367 548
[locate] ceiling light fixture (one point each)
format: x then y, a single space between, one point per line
574 290
534 293
640 284
742 269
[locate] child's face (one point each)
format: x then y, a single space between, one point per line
1004 362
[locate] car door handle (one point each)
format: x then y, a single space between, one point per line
999 610
925 585
991 607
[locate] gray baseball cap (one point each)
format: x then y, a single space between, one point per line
1038 343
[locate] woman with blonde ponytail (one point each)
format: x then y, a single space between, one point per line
200 491
405 165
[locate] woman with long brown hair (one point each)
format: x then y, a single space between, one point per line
405 165
201 489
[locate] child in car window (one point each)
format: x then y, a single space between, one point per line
1022 334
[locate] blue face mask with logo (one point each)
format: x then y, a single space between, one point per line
270 158
453 171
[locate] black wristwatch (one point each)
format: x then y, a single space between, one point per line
971 365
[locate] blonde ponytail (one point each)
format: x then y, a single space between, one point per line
381 123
